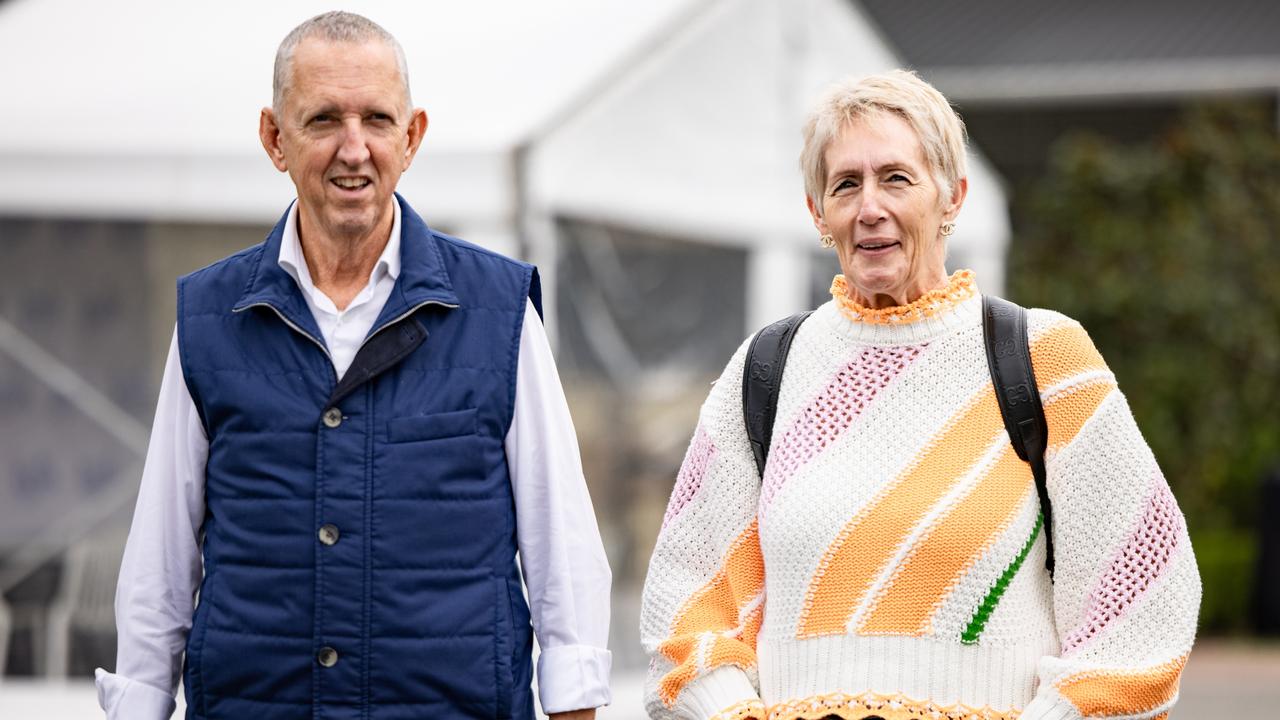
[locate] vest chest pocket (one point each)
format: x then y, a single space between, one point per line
432 427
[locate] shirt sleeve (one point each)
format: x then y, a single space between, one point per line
1126 590
704 600
565 569
161 568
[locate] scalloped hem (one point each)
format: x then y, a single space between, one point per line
870 705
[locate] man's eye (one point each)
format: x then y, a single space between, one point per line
380 117
321 118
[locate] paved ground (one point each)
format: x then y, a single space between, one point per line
1221 682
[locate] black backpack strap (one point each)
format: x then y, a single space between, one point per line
762 379
1004 327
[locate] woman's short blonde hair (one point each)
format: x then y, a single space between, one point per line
901 92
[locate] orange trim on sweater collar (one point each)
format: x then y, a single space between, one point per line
960 287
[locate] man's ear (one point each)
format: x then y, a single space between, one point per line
269 133
417 129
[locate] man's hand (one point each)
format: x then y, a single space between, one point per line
574 715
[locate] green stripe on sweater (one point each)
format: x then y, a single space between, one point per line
988 606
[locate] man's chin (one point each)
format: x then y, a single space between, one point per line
351 225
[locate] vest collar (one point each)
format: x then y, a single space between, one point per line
423 278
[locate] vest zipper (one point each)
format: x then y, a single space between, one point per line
402 316
298 330
324 349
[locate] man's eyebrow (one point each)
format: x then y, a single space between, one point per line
332 109
319 110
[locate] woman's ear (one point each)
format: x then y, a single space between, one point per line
816 212
958 194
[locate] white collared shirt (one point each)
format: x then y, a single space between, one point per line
565 570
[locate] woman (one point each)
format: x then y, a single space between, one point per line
891 561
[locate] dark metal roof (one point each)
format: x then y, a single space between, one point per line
1000 33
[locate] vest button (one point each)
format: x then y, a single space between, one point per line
329 534
332 417
327 657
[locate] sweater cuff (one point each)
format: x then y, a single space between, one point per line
723 694
573 677
125 699
1050 708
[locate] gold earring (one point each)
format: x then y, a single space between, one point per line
827 241
948 227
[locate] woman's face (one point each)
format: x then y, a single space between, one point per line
880 203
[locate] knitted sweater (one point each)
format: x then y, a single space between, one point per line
891 562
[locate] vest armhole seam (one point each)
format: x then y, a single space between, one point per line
182 356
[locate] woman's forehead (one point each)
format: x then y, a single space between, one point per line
875 141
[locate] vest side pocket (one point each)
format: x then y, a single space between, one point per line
504 626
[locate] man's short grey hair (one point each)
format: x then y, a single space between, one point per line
335 26
899 92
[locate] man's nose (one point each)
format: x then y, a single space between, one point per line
354 149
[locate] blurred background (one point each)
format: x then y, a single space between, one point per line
1125 170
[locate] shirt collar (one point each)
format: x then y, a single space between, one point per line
291 258
423 276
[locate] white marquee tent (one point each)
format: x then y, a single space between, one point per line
669 116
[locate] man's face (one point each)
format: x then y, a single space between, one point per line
344 135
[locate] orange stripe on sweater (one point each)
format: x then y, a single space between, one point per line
673 682
1063 352
1068 412
716 608
873 536
938 562
950 549
1122 692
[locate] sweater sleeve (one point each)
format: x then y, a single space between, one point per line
703 598
1126 590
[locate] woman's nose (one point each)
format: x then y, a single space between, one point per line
871 211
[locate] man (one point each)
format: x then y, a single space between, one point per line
359 425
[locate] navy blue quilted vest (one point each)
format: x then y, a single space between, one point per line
359 540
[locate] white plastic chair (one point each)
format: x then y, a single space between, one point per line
86 598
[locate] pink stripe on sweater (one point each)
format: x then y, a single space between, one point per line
702 451
1134 568
834 409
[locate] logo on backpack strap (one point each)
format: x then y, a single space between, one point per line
1018 394
761 371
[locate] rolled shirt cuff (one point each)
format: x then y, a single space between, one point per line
573 677
125 699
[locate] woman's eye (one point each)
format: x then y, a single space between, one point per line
844 185
899 178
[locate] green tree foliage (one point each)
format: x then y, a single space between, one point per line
1169 254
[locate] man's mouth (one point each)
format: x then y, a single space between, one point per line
351 183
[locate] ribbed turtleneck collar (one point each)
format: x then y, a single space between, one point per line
937 312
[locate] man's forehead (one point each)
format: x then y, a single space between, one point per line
338 72
321 50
